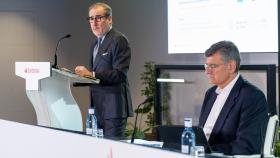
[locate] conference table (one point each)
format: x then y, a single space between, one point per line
24 140
27 141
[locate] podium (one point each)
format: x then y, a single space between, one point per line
49 91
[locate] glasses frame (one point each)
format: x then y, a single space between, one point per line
96 19
212 66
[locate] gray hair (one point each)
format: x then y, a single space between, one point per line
106 7
227 49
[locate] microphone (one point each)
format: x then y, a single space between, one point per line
56 48
149 99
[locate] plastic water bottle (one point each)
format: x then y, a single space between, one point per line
89 121
94 124
188 137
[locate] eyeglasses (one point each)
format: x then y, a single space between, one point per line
211 66
91 19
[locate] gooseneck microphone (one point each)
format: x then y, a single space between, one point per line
149 99
56 48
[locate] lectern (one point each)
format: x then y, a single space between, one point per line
49 91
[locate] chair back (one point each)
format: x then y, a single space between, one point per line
270 137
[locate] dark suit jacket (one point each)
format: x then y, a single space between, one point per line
111 97
240 127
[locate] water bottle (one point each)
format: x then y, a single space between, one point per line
89 121
94 124
188 137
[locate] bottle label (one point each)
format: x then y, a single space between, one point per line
185 149
89 131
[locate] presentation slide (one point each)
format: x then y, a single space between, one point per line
194 25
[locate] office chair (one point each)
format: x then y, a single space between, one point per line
270 137
269 141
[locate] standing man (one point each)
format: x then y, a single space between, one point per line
109 61
234 114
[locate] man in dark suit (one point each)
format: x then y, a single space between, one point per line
234 114
109 61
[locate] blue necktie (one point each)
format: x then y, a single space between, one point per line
95 50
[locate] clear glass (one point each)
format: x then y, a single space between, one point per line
198 151
100 133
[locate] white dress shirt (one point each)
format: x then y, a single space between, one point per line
222 95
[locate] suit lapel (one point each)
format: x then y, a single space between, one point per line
208 107
102 48
230 102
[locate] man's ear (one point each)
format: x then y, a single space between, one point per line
110 19
232 65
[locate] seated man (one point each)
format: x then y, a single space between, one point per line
234 114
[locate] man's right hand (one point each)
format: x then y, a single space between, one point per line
83 71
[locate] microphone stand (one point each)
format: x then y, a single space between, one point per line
135 122
55 57
56 48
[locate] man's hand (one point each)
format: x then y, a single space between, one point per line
83 71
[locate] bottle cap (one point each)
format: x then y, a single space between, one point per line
91 111
188 122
